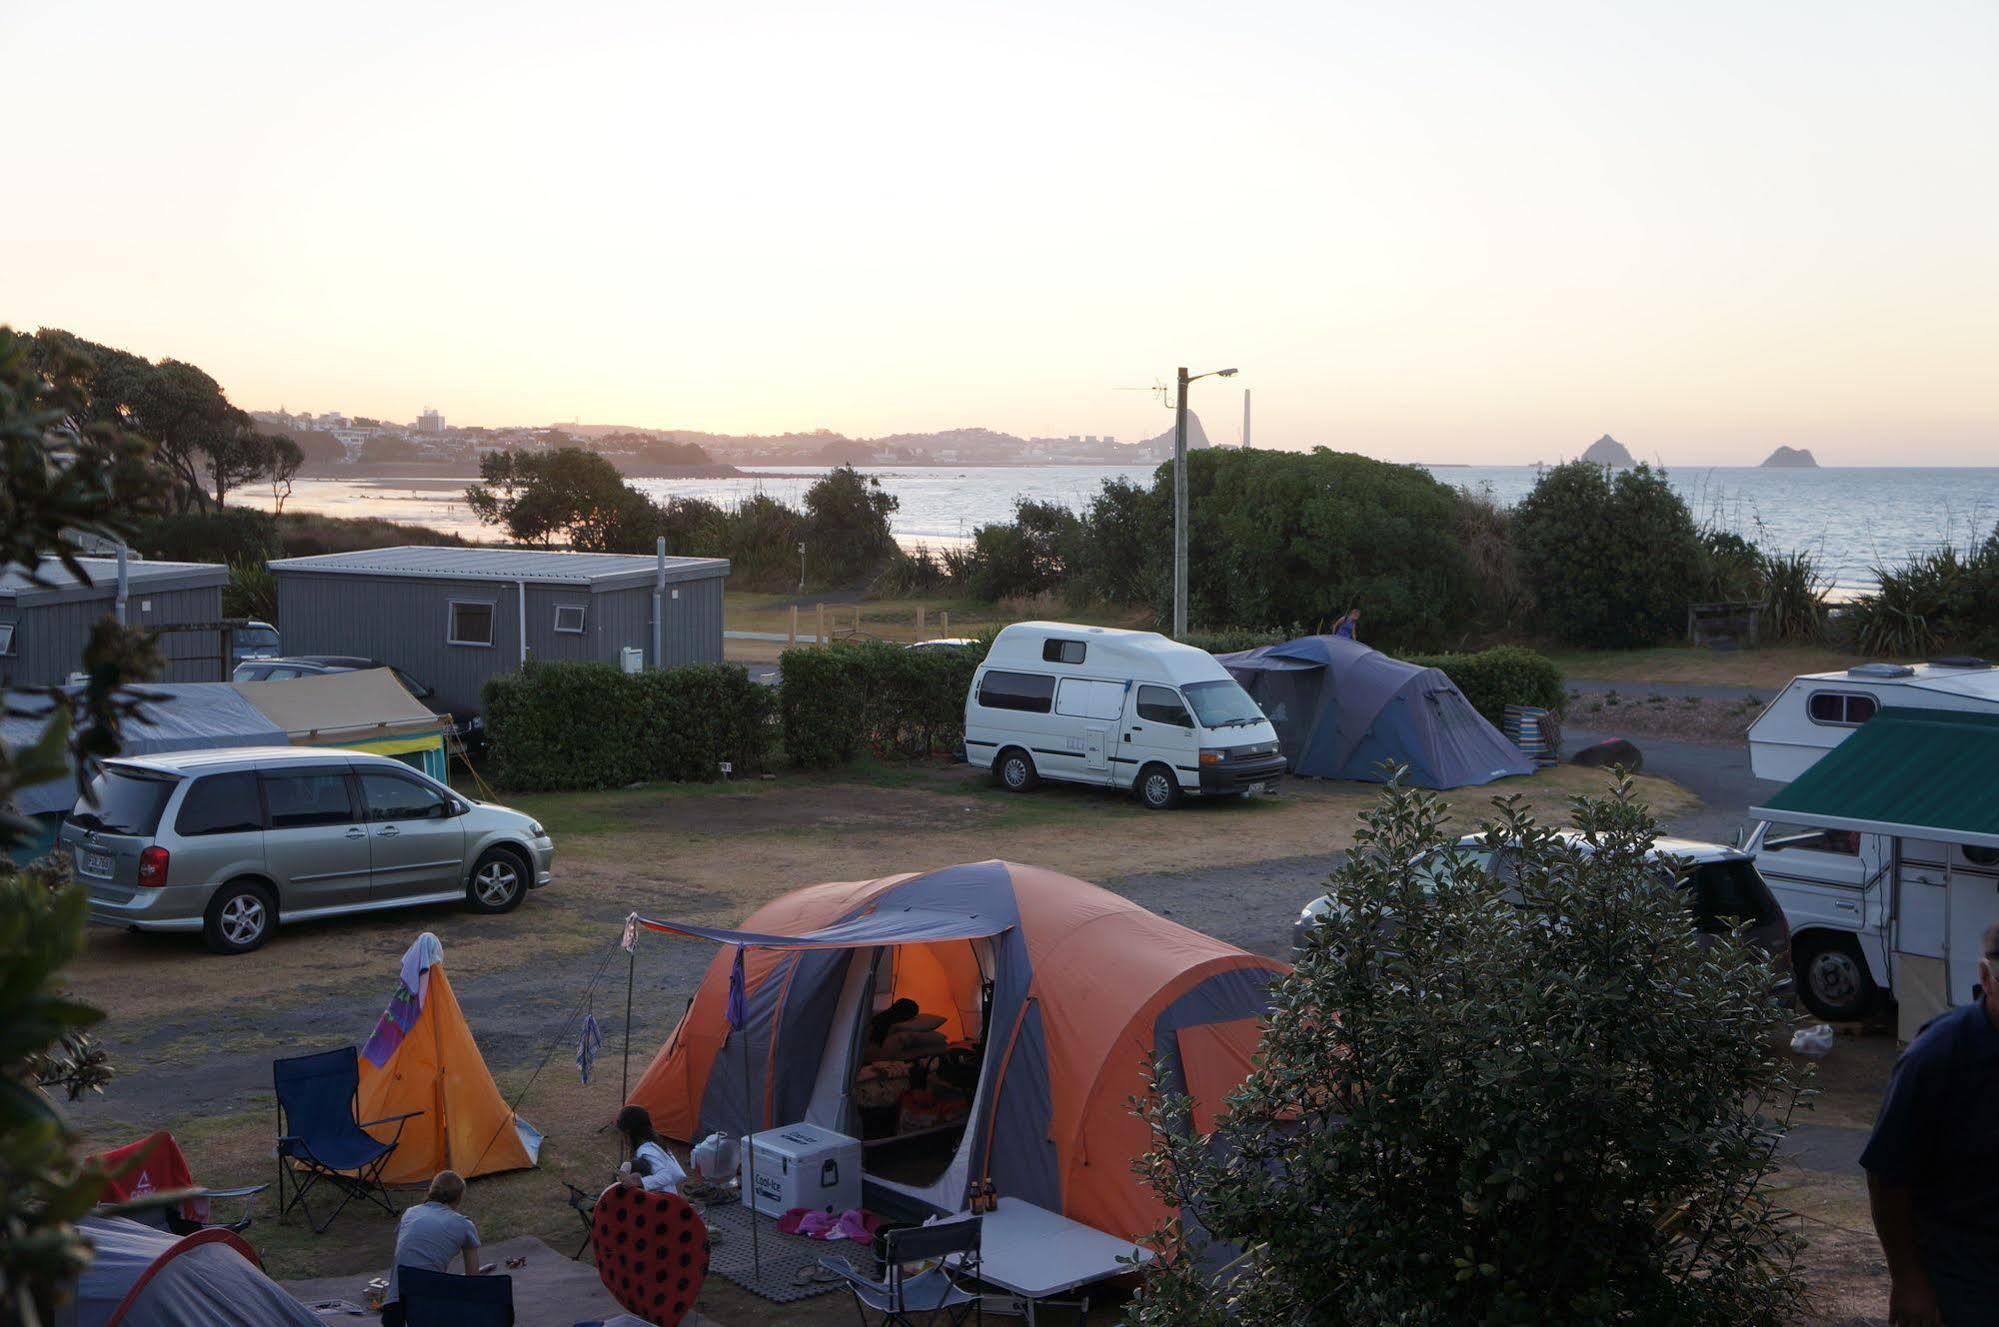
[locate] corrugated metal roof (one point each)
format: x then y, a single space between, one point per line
503 564
103 572
1915 772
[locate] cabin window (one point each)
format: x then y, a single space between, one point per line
1027 692
1162 705
1844 709
1080 698
471 622
6 638
1981 856
1064 651
569 619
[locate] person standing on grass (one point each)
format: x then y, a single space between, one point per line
429 1236
1348 625
1933 1165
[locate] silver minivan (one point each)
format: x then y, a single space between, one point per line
232 842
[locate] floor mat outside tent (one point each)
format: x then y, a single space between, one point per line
790 1263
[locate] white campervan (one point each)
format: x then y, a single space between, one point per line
1123 709
1838 887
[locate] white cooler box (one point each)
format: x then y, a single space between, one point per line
802 1165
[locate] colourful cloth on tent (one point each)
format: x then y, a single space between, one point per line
407 1003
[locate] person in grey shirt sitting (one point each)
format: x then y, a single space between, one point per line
429 1236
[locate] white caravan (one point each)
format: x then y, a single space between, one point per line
1818 711
1838 885
1121 709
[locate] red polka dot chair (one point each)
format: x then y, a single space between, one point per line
652 1252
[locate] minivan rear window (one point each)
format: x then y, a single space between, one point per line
127 803
220 804
1029 692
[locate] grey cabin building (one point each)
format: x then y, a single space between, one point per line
453 617
43 628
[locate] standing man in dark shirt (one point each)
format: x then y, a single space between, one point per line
1933 1166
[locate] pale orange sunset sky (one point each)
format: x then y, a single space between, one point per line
1454 232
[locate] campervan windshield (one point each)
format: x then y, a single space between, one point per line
1221 704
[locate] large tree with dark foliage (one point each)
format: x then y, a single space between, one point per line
1536 1095
69 468
847 516
1612 557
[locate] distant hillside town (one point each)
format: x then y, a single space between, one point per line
336 441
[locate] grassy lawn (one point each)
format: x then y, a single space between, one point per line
1765 668
193 1035
895 619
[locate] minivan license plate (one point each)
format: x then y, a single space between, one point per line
1258 789
94 864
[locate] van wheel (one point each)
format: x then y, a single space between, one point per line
1015 771
499 882
1833 980
1158 788
239 917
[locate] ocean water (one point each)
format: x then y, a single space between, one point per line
1851 519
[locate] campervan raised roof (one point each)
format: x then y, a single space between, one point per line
1818 711
1122 709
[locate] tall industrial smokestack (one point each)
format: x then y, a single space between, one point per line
1245 419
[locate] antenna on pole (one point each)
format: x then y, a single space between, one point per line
1245 419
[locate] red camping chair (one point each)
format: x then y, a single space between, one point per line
149 1181
652 1252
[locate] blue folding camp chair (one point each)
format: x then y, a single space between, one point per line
928 1297
439 1299
321 1137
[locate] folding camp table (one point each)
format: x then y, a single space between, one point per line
1036 1254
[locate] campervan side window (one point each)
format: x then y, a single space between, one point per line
1080 698
1029 692
1162 705
471 623
1064 651
569 619
1842 708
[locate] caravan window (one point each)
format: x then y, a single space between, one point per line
1064 651
1028 692
1809 838
569 619
1842 708
6 637
1080 698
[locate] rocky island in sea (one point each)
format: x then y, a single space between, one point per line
1797 458
1608 451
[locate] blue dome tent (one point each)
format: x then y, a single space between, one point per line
1342 708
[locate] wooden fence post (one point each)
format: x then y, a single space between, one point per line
793 638
944 622
919 622
820 630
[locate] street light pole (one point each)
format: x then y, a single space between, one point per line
1180 509
1180 496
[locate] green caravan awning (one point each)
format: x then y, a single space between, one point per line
1929 774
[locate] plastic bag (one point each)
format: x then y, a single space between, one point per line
1815 1041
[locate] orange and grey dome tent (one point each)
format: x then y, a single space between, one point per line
1067 991
422 1057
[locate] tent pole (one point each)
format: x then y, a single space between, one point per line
437 1052
625 1074
750 1145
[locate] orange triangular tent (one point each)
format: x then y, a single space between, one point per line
422 1057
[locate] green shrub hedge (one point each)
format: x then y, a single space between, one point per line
1504 675
844 699
590 725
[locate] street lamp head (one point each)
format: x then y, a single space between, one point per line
1225 373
